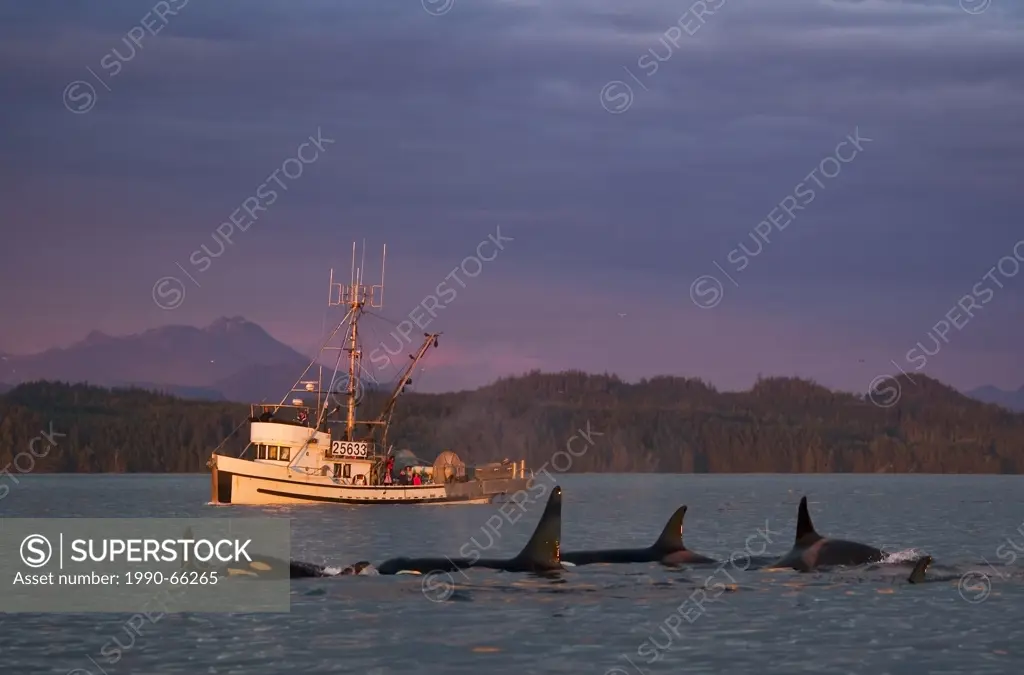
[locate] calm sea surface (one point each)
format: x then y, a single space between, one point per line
597 619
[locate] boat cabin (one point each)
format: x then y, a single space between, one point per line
308 451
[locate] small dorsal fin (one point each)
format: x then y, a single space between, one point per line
671 538
804 526
544 548
920 569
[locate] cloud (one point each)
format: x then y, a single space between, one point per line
491 114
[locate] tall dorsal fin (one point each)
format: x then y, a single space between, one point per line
544 548
671 538
804 526
920 569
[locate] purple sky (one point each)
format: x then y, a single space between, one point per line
493 114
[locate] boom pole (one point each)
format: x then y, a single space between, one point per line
389 409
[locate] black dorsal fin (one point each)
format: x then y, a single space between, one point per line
543 551
920 569
671 538
804 526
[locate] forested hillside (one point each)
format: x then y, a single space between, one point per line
666 424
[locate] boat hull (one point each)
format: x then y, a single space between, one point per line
239 481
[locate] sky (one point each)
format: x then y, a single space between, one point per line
867 155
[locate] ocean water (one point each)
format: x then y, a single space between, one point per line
605 620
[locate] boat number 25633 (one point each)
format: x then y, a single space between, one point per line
349 448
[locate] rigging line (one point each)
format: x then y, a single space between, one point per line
313 361
381 342
229 436
382 318
319 337
341 352
372 328
390 357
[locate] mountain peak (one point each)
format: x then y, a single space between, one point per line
229 323
172 355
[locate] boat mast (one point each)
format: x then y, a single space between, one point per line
355 305
353 373
356 296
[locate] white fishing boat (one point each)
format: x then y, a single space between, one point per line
307 448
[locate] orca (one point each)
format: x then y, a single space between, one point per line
361 567
811 550
265 567
918 575
540 555
298 569
667 550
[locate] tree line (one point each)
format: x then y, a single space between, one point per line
663 424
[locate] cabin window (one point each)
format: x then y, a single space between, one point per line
337 470
348 471
286 454
261 452
272 454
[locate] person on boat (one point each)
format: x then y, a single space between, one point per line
388 468
303 416
416 480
